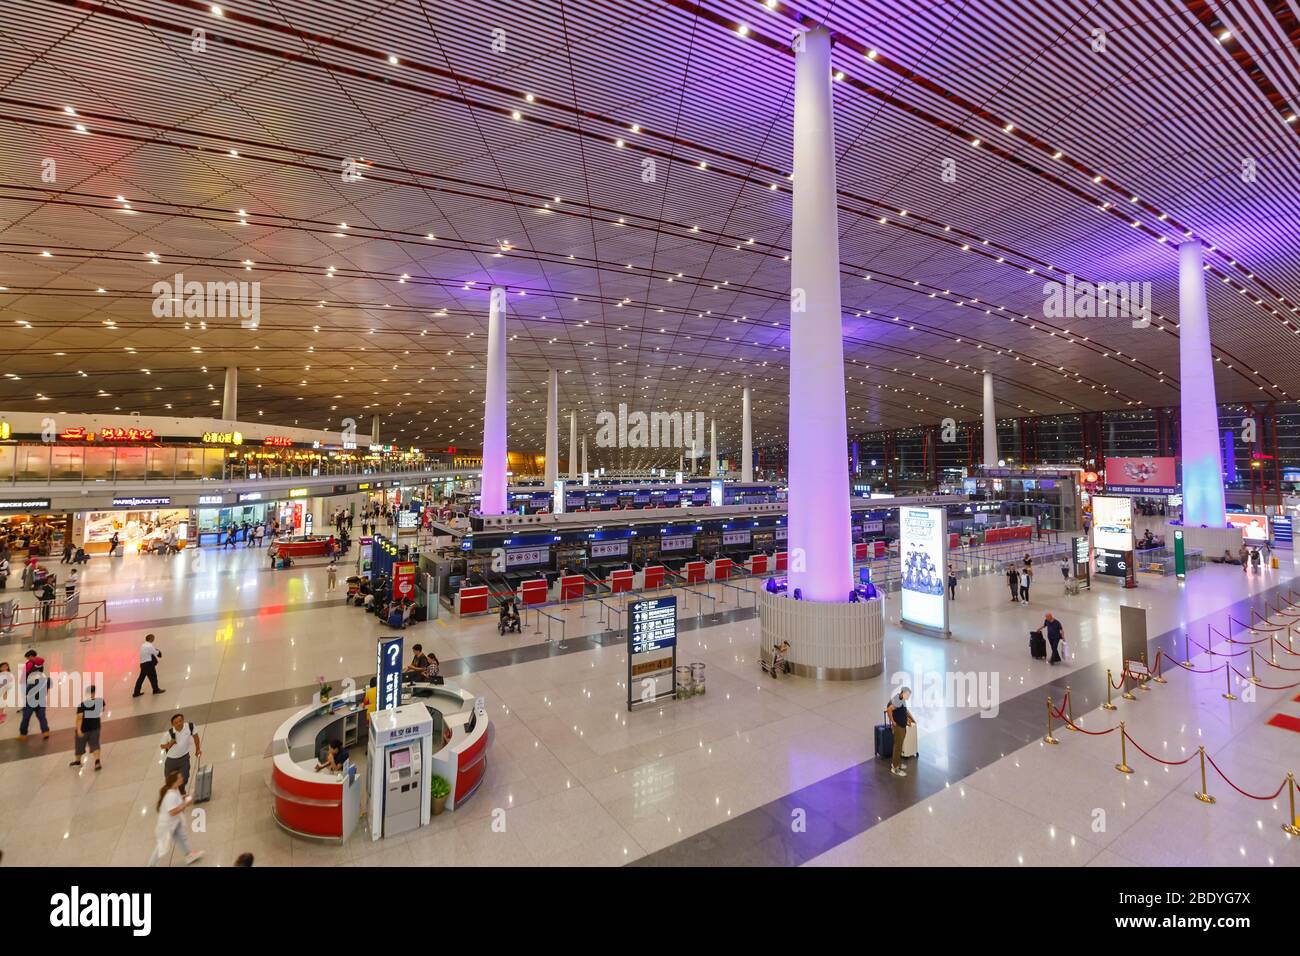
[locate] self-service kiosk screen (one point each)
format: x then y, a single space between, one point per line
399 759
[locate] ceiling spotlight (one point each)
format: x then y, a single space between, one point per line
392 60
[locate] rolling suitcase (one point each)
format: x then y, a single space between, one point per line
203 783
1037 646
885 741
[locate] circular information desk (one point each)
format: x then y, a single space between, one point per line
305 546
326 806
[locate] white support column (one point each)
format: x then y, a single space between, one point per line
990 424
374 429
747 436
573 444
584 455
230 396
820 532
493 501
1198 413
713 448
552 428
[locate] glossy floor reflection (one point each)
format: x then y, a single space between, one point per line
755 770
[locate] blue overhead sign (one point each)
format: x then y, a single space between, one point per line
654 624
388 673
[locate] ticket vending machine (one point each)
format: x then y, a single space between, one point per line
400 751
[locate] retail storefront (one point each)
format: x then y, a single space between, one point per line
141 524
27 525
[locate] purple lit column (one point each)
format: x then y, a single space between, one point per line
552 466
746 439
819 479
990 423
713 448
493 500
1202 472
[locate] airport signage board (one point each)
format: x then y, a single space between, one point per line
522 557
388 673
652 650
676 542
609 549
735 537
1138 476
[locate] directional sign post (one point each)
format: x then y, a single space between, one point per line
651 650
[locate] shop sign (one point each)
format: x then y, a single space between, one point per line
211 499
277 441
340 489
140 502
4 431
24 504
363 486
79 433
404 580
223 438
297 492
251 496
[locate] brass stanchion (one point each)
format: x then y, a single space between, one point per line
1108 705
1142 683
1123 766
1203 794
1124 678
1049 739
1159 658
1227 673
1253 679
1290 825
1069 708
1187 649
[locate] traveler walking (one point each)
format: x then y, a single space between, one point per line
36 689
171 826
1026 575
149 656
4 572
1055 635
86 733
67 552
6 682
952 583
1255 560
113 544
175 746
1013 582
901 719
332 575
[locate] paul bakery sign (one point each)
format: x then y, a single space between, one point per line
107 434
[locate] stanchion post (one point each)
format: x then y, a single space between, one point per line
1142 684
1254 679
1160 656
1290 825
1124 678
1187 648
1049 739
1203 794
1123 766
1108 705
1227 673
1069 709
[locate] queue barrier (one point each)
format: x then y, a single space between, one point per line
61 613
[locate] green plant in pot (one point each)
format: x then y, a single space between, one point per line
439 790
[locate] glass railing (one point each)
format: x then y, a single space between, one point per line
50 464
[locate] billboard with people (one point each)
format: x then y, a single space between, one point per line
1136 476
923 556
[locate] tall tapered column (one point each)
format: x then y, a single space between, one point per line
552 428
573 444
584 455
713 448
493 490
747 436
374 429
990 423
819 476
1202 471
230 396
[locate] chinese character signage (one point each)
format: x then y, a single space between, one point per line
388 673
652 650
223 438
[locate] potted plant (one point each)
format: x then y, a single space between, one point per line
325 689
439 790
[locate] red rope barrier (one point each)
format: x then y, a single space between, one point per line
1265 686
1217 653
1090 733
1278 666
1197 670
1256 627
1122 674
1167 763
1285 648
1273 796
1233 640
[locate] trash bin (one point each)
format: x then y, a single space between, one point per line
697 677
685 687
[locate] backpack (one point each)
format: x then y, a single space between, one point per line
172 731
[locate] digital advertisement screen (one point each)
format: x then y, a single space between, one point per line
921 555
1112 523
1141 475
1254 528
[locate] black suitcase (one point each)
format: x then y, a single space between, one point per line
1037 646
885 741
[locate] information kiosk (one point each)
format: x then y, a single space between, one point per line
400 769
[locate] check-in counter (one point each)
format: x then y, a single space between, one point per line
471 599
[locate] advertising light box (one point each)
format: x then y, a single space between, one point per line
1254 528
1135 476
1112 523
922 555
